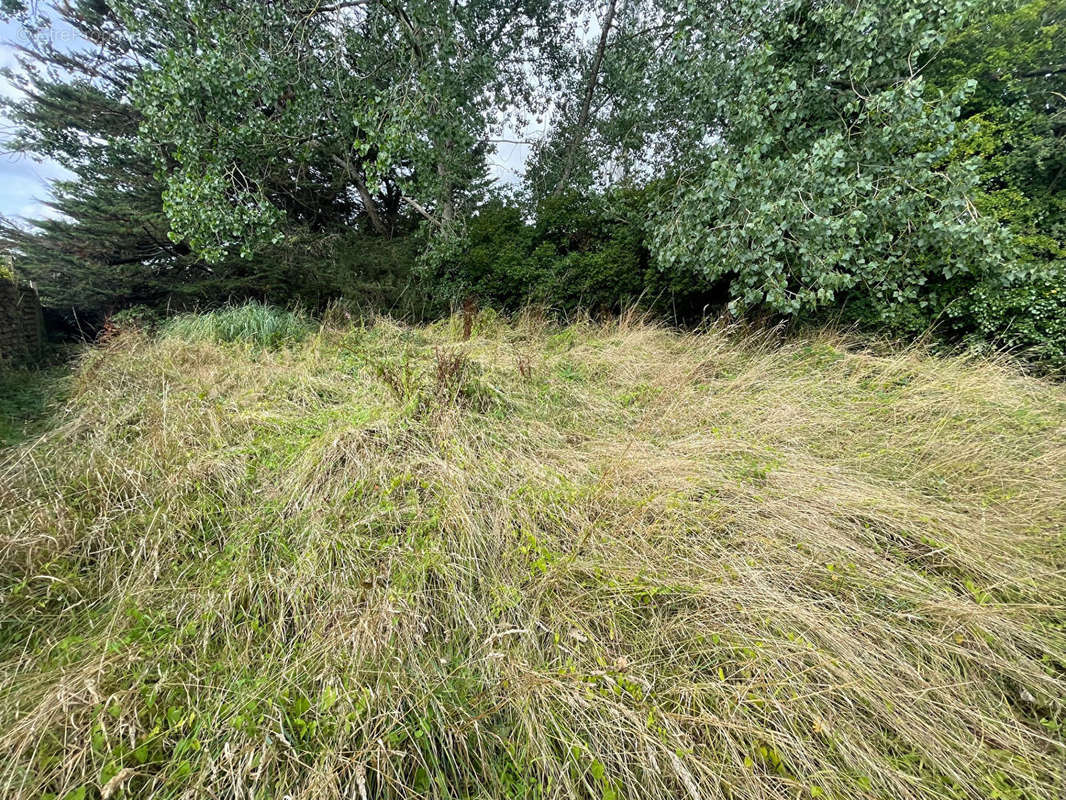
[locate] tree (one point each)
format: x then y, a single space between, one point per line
580 128
108 238
1017 116
826 172
1016 130
252 100
110 242
613 119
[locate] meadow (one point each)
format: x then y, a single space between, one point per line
289 558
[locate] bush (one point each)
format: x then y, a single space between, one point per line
590 255
1026 313
138 317
580 252
369 271
254 323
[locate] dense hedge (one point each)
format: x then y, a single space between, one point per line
1025 313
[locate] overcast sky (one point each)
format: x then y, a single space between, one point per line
23 181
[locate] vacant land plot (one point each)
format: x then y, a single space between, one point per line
602 561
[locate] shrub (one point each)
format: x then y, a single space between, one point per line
1025 312
579 252
254 323
589 256
138 317
369 271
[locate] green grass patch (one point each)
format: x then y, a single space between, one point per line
251 323
26 396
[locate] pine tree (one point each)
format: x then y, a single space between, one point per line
106 242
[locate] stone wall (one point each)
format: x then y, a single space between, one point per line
21 324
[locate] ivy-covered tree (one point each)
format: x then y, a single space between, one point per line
1016 132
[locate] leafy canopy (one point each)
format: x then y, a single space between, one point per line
249 100
827 171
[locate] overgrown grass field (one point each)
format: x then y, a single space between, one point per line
597 561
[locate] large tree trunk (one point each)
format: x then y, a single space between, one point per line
355 174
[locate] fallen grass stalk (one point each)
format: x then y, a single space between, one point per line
603 561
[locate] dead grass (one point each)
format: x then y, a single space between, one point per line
596 561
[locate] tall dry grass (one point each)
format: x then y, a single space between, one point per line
604 561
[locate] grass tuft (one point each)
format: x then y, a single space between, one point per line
599 561
252 323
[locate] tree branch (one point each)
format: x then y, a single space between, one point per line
586 102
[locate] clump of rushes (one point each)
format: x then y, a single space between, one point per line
647 565
253 323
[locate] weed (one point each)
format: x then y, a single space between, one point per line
525 366
449 374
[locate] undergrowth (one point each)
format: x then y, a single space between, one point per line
25 395
598 561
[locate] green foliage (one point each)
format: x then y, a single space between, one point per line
111 244
252 323
1026 313
106 244
898 162
1015 120
368 271
580 252
258 115
138 317
828 182
590 254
